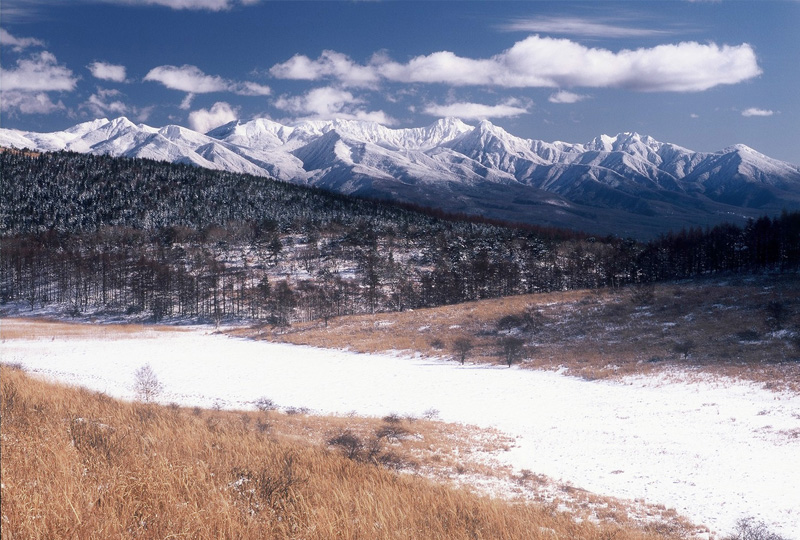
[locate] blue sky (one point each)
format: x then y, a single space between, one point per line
702 74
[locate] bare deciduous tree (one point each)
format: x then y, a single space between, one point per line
146 385
462 347
684 347
511 348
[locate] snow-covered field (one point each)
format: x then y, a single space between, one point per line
715 450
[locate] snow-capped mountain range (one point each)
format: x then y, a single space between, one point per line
628 184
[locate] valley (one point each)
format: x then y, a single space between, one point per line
532 363
331 270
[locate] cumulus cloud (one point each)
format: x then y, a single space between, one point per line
191 79
248 88
327 103
753 111
187 79
477 111
16 43
25 87
205 120
577 26
28 103
563 96
548 62
106 103
39 72
109 103
107 72
330 64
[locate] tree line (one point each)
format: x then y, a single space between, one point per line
95 234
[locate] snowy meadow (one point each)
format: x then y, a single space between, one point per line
716 450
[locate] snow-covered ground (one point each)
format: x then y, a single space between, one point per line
715 450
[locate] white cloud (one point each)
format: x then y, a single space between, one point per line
563 96
694 115
330 64
191 79
477 111
328 103
753 111
187 79
109 103
248 88
186 104
105 103
578 26
205 120
442 67
141 114
548 62
39 72
28 102
208 5
18 43
107 72
25 86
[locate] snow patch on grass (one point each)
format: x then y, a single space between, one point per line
714 449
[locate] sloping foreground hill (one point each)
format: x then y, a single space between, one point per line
77 464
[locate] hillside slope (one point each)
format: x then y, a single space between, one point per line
628 184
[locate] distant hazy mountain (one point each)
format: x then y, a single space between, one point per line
628 184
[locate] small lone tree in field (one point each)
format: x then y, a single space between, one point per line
777 313
684 347
146 384
511 348
462 347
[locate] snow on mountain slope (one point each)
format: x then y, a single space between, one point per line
448 160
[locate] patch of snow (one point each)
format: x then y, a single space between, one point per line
651 438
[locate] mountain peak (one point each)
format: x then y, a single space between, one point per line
121 121
472 161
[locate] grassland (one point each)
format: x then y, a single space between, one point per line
78 464
715 327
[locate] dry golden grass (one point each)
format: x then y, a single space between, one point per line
21 328
76 464
23 152
600 333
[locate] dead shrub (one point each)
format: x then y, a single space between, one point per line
264 404
392 418
643 295
348 443
437 344
270 487
749 529
392 432
95 440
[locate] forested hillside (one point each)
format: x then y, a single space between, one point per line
99 235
